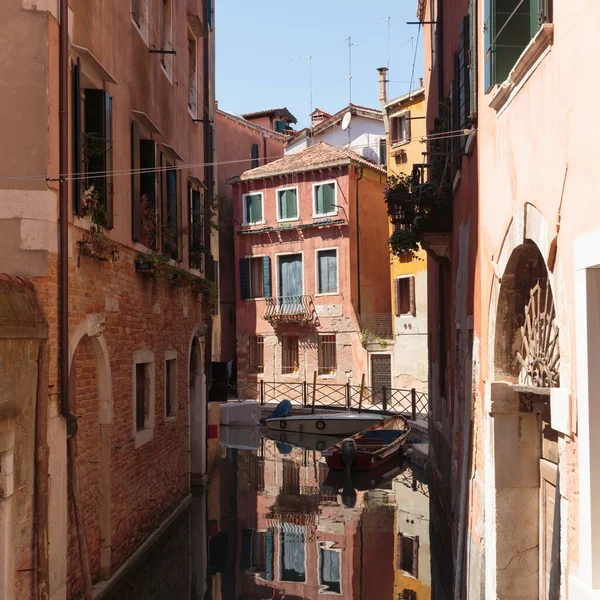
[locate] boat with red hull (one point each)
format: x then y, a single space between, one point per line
374 446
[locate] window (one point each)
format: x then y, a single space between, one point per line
509 26
330 569
255 277
257 473
170 231
143 396
254 158
290 358
145 216
293 553
408 555
256 356
383 152
166 30
139 16
290 276
253 208
287 204
92 149
404 296
209 13
196 229
327 271
407 595
171 384
324 199
193 74
400 128
327 358
257 553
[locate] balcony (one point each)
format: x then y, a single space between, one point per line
289 309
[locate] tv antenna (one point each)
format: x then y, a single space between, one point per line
387 20
309 59
350 44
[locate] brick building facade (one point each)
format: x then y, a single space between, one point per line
140 256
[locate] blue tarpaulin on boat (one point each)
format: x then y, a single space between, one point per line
284 408
387 436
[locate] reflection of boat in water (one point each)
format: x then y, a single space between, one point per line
371 447
378 477
333 423
308 441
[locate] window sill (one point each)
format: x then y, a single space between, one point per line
193 115
142 437
288 220
170 419
400 144
526 64
254 223
326 294
324 215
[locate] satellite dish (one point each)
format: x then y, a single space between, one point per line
346 120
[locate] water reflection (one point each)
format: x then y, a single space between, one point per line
276 524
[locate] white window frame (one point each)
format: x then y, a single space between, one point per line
276 278
407 315
284 189
402 114
328 546
317 215
262 208
166 62
193 111
142 28
143 436
169 356
337 283
334 373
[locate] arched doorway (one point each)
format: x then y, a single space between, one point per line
91 401
198 411
525 508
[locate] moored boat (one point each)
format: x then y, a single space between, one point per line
369 448
334 423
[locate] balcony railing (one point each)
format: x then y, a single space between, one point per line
289 309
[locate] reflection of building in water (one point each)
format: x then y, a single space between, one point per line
295 538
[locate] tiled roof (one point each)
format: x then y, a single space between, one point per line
315 157
251 125
282 111
355 109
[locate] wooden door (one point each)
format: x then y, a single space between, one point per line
549 553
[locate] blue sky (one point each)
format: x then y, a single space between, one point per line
257 40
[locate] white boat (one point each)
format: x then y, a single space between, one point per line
335 423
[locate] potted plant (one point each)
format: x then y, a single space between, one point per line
404 242
399 198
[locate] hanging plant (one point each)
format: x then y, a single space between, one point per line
404 242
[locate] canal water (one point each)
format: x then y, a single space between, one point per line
275 523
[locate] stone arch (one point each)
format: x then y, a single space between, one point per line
523 450
197 405
88 337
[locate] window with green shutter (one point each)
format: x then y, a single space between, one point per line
254 158
327 271
253 210
324 198
287 204
509 25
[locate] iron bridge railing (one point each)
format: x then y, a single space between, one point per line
341 396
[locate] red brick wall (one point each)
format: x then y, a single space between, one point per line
149 482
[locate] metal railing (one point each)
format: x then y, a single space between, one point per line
289 309
341 396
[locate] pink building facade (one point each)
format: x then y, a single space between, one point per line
309 264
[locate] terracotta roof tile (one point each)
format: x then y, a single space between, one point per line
315 157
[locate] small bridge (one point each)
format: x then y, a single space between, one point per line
337 396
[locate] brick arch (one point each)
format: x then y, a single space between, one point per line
89 345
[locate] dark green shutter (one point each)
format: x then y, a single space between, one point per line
266 276
254 156
244 278
95 102
209 14
463 74
488 36
77 132
110 184
135 182
473 66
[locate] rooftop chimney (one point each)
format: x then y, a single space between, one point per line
420 82
382 85
318 116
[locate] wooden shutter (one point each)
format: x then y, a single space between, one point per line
266 266
464 95
319 200
254 155
408 128
179 216
136 225
415 557
77 132
488 49
397 297
244 278
411 295
110 183
473 58
95 103
163 201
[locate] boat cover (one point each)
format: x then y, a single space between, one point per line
284 408
240 413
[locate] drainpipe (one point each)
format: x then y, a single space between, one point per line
358 240
63 253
